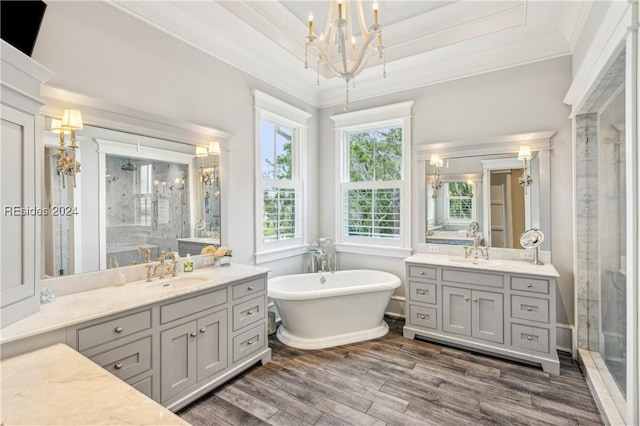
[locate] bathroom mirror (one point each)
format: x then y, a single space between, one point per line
479 187
132 191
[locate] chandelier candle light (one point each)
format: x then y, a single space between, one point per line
345 61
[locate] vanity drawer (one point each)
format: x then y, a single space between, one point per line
530 284
248 312
111 330
424 272
422 316
473 278
527 337
250 341
128 360
174 311
143 385
530 308
248 287
422 292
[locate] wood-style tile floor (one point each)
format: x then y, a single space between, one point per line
396 381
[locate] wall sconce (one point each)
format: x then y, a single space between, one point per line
71 121
524 155
436 162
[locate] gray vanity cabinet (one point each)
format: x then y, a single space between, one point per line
192 352
179 349
473 313
502 313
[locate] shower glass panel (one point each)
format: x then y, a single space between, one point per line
147 206
612 239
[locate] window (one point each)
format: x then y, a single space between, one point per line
374 205
460 207
280 178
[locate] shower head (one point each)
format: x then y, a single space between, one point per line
129 167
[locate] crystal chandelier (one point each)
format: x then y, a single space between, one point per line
338 47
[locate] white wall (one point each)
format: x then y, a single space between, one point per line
518 100
96 50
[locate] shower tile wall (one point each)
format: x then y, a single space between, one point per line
587 288
125 229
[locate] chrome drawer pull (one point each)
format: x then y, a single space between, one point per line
193 334
466 298
119 329
249 342
421 272
118 366
529 308
475 299
250 288
529 338
422 316
249 312
421 292
202 330
529 285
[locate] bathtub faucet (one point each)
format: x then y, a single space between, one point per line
323 256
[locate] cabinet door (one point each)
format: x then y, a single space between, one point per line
212 344
487 316
177 359
18 256
456 310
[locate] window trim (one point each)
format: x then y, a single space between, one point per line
280 113
370 119
474 205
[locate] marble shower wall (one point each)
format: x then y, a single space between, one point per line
587 271
130 211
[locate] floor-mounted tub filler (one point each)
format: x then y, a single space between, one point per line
322 310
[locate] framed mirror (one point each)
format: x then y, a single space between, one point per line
478 191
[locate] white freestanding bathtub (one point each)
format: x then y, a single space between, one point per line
325 309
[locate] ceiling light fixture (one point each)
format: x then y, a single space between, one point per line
338 47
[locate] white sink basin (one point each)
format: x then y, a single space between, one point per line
473 261
176 281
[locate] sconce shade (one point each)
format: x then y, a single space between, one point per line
56 125
436 160
214 148
201 151
72 119
524 153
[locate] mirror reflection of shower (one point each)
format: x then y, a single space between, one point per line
145 206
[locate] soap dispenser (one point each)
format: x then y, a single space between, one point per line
188 264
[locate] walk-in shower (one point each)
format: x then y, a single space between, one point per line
145 206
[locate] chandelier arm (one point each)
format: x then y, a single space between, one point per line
363 24
343 49
330 29
323 53
357 66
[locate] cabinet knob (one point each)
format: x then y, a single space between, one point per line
118 365
466 298
421 272
529 308
475 299
249 312
193 334
422 316
119 329
202 330
249 342
250 288
529 285
421 292
529 338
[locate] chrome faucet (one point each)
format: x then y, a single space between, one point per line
323 256
484 251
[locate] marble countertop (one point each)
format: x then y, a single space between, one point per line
57 385
500 265
84 306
